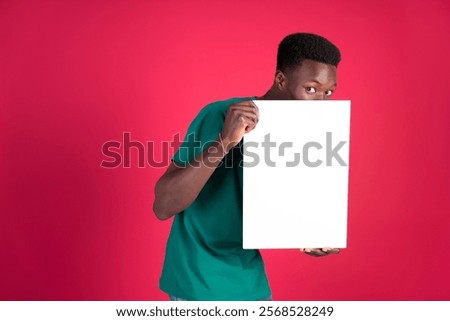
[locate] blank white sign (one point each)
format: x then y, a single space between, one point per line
296 165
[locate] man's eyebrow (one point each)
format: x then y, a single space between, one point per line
318 82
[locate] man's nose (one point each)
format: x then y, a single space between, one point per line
320 96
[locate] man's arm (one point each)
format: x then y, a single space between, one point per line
180 186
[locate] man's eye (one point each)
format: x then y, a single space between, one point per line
328 92
310 90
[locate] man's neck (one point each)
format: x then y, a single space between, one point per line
271 94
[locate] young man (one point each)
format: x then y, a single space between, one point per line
204 256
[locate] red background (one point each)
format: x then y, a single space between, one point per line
75 74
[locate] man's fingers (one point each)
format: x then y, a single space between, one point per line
251 116
249 103
314 252
240 119
248 113
248 121
245 107
319 251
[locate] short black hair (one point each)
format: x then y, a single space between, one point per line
295 48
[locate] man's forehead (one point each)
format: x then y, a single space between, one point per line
319 72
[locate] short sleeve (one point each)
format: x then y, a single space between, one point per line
202 132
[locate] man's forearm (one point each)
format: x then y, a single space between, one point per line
180 186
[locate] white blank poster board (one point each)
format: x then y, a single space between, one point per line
296 165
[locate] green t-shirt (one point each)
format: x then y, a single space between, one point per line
204 256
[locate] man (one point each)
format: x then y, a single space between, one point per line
204 256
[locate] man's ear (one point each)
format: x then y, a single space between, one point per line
280 80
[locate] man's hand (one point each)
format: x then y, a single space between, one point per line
240 119
320 252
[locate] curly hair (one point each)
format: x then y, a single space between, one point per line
297 47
